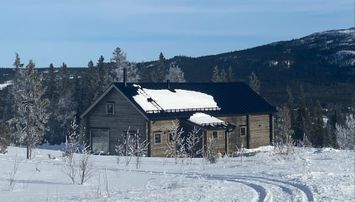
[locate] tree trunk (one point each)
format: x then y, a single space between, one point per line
28 152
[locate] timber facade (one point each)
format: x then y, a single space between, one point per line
245 119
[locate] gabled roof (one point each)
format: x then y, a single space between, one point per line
230 98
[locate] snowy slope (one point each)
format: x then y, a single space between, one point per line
5 84
306 175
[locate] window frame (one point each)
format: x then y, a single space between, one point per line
156 134
113 108
244 127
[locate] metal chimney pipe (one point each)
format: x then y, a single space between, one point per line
125 76
168 84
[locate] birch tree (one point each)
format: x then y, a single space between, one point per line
192 142
283 131
175 74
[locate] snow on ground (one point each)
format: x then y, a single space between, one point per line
163 99
306 175
5 84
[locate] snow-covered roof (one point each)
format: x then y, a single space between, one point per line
4 85
203 119
177 100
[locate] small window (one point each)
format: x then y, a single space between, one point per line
243 131
110 108
157 138
215 134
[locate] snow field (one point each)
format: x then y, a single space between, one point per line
305 175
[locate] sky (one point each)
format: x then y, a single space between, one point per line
76 31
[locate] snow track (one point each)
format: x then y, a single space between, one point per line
266 188
270 189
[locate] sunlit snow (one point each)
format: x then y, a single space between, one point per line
156 100
205 119
262 175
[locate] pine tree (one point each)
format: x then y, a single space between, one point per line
303 121
66 106
14 96
158 75
64 82
90 85
51 83
254 82
94 81
318 136
162 68
31 108
175 74
331 126
120 62
52 94
103 75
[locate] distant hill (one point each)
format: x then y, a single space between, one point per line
323 62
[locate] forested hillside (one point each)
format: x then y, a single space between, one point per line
324 63
314 77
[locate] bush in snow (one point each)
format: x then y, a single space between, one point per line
71 146
176 147
192 142
131 146
346 134
85 167
211 153
139 148
123 146
5 138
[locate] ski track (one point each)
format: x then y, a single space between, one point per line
292 189
263 186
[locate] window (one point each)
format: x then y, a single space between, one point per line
243 130
100 140
215 134
110 108
157 138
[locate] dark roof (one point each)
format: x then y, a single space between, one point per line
232 98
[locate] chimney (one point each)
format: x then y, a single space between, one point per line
168 84
125 76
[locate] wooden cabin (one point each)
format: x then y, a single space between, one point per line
232 113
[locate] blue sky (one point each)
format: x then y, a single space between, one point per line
76 31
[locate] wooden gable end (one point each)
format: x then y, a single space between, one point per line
125 116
